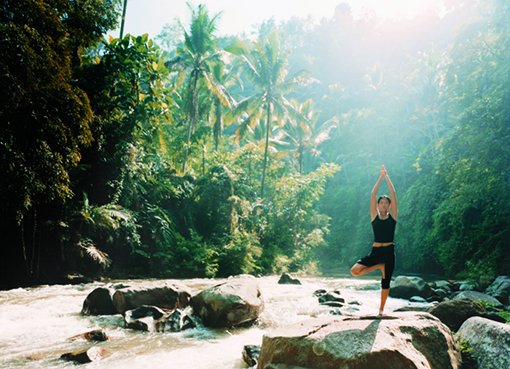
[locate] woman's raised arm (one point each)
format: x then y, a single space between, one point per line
373 199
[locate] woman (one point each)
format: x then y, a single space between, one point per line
383 214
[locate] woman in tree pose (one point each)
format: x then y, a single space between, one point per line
383 214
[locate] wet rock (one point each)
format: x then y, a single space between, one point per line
85 356
232 303
404 341
455 312
441 293
165 297
138 325
178 321
407 287
465 286
99 302
500 289
442 284
478 296
144 318
251 354
330 297
489 340
96 335
319 292
145 311
286 278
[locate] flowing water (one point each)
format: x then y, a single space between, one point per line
36 323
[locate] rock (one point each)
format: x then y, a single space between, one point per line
354 302
97 335
403 341
166 297
86 356
443 285
335 311
454 312
406 287
417 299
330 297
99 302
500 289
495 317
441 293
144 311
288 279
465 286
251 354
319 292
178 321
138 325
476 296
414 308
136 318
489 340
231 303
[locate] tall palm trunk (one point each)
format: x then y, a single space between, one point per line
193 118
264 164
123 20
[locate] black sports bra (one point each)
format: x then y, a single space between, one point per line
384 229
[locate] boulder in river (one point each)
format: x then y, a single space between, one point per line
99 302
234 302
500 289
110 301
454 312
489 341
286 278
86 356
403 340
406 287
165 297
478 296
251 354
97 335
144 318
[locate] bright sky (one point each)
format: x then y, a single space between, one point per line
149 16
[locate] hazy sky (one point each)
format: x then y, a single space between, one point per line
148 16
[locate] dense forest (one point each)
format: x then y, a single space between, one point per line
194 155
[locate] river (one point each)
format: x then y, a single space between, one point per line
36 322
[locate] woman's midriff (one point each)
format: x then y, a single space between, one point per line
382 244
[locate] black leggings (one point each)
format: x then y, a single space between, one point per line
381 255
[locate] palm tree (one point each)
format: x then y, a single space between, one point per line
196 59
305 133
266 64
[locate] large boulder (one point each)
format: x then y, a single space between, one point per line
478 296
489 340
166 297
454 312
500 289
234 302
402 341
406 287
119 299
99 302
